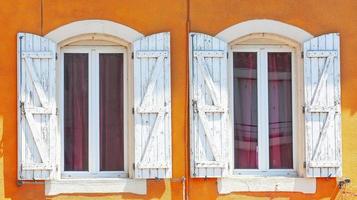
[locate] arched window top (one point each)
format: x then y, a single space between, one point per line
93 39
264 26
266 39
85 27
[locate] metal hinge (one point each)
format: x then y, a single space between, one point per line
304 165
227 55
134 166
22 108
302 54
56 56
57 111
303 109
132 55
133 110
194 106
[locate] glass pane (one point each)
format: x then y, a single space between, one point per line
245 110
76 112
111 112
280 116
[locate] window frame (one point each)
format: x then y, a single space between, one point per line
93 50
262 49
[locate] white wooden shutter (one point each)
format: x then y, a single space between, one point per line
36 107
152 106
322 106
209 130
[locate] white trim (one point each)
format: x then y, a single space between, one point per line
94 26
266 184
115 185
93 111
264 26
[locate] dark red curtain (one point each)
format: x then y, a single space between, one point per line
245 110
111 112
280 111
75 112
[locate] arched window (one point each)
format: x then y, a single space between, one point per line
265 102
95 103
264 85
93 74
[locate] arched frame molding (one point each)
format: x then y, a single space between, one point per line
264 26
267 39
94 39
104 27
266 31
271 32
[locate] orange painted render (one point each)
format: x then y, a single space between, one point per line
207 16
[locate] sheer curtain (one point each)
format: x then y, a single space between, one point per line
111 112
280 111
245 110
75 112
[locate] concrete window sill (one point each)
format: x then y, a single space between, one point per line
104 185
266 184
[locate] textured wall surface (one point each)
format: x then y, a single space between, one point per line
316 17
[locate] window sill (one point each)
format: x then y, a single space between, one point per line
104 185
266 184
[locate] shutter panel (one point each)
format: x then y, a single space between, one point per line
37 107
152 106
322 106
209 135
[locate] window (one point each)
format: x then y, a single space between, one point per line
263 109
86 114
93 116
259 111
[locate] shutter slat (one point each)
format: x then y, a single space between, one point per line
209 106
36 82
152 105
154 75
322 106
207 79
37 107
40 144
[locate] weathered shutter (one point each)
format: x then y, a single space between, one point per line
322 106
152 106
36 107
209 131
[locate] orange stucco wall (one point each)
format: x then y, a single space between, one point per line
208 16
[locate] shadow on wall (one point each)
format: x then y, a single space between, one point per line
8 168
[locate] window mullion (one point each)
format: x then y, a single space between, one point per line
263 111
94 112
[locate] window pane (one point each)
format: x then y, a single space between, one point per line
245 110
111 112
280 116
75 112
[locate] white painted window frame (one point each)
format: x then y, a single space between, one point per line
93 111
278 32
263 119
